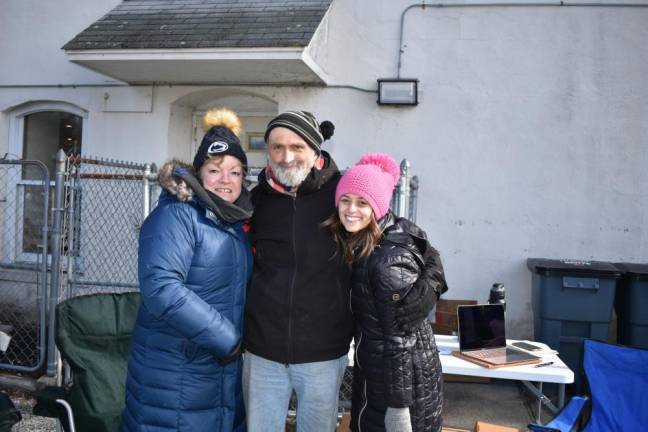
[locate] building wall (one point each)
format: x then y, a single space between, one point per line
529 139
33 32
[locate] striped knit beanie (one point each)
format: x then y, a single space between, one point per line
373 178
305 125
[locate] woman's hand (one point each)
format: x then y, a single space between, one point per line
416 306
398 420
232 356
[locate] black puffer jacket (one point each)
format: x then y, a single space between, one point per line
394 369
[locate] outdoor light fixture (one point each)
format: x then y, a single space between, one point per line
397 91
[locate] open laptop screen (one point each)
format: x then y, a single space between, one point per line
481 326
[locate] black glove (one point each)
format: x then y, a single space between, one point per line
416 305
425 292
232 356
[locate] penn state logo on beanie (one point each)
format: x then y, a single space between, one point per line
304 124
221 139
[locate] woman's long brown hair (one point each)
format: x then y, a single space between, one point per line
354 246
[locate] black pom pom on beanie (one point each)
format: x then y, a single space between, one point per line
327 128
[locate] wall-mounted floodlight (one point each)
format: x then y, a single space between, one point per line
397 91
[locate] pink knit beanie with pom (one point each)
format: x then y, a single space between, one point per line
373 178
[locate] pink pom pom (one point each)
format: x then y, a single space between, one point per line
384 162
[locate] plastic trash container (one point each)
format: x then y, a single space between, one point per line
572 301
631 304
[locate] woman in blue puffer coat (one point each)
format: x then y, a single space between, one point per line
194 263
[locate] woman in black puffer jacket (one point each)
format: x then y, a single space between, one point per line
396 375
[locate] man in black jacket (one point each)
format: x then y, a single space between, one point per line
298 322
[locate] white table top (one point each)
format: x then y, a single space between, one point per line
558 372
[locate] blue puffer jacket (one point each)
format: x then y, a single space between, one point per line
193 270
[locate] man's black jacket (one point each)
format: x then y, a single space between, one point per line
297 307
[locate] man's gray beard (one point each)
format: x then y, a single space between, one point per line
290 176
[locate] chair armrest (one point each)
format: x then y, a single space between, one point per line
566 419
539 428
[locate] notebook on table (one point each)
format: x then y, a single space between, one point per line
482 338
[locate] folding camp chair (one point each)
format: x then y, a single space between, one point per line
9 415
618 378
93 334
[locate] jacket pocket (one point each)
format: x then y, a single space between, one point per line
190 350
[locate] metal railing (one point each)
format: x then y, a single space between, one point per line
406 193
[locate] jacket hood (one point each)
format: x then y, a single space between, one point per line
316 177
178 179
174 185
404 232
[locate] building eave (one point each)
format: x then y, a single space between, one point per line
272 65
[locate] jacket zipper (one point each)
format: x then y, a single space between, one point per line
364 385
292 283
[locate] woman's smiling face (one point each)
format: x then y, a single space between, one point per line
223 177
355 212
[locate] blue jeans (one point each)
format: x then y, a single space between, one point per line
268 385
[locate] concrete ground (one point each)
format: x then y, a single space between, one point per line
502 402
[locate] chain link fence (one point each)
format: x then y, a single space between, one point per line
24 205
105 208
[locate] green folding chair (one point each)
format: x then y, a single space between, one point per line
93 334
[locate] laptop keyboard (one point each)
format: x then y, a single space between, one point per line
488 353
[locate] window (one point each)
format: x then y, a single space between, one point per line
36 132
47 132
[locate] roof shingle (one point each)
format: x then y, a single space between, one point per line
151 24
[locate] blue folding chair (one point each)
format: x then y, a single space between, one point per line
618 379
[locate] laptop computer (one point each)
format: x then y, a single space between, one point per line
482 338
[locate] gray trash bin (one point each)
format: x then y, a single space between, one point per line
572 301
631 305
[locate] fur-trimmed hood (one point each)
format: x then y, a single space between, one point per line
175 185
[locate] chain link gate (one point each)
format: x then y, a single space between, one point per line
100 206
24 225
105 208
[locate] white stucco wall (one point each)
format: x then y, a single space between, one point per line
33 32
530 139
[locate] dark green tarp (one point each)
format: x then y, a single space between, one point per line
93 334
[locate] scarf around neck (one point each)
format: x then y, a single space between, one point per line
238 211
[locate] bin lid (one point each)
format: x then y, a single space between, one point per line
637 270
545 266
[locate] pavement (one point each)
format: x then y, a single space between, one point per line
501 402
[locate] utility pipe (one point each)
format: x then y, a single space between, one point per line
424 5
